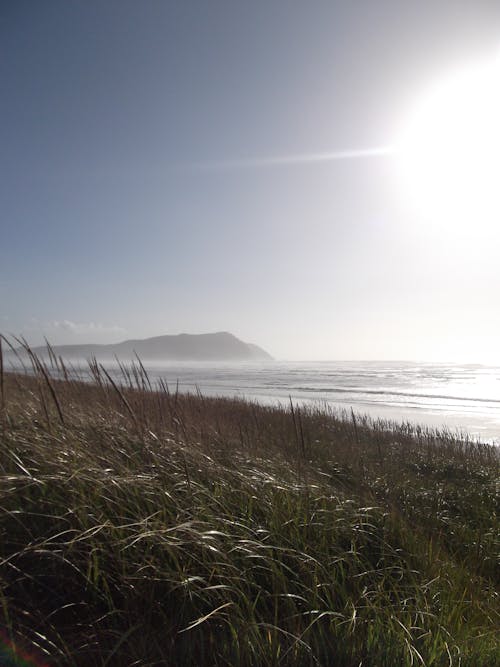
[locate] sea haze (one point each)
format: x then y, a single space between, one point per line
459 397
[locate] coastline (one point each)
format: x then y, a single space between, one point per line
464 399
162 523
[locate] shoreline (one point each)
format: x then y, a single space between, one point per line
142 526
474 427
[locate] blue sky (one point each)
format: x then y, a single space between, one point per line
136 198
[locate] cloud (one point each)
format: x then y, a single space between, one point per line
61 332
85 328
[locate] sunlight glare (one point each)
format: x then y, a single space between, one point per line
449 150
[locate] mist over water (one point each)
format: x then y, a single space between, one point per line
459 397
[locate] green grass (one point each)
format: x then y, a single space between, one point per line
146 527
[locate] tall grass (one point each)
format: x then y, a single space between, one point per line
142 526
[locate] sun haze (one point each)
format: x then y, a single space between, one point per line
319 178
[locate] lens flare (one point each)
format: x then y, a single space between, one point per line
300 159
13 655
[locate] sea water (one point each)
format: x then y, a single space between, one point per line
464 399
461 398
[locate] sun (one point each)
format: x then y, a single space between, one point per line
448 151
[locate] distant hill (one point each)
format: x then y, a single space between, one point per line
221 346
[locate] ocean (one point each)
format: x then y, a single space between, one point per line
461 398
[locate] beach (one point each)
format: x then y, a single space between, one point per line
464 398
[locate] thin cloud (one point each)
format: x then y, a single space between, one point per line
60 332
84 328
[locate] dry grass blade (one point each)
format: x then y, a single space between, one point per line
114 538
122 397
205 618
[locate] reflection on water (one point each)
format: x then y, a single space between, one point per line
464 397
459 397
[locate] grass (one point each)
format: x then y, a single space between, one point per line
141 526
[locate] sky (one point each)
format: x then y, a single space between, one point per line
318 178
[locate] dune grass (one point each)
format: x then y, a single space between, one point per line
141 526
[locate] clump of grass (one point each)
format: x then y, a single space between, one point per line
141 526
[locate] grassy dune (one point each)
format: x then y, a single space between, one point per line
139 526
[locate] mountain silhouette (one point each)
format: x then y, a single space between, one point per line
220 346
